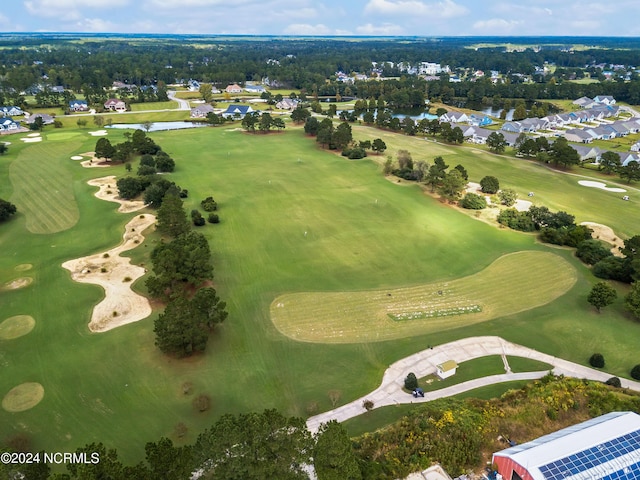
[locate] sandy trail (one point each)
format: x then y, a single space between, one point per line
606 234
114 273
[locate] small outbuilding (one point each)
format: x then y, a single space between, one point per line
446 369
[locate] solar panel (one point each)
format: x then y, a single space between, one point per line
595 456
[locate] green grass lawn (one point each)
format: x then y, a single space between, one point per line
168 105
116 388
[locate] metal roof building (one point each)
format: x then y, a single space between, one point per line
603 448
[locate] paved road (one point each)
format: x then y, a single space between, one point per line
184 104
424 363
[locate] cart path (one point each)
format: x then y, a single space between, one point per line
423 363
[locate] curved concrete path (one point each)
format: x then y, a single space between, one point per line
423 363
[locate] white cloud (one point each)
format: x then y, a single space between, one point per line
384 29
412 8
497 26
306 29
69 9
95 25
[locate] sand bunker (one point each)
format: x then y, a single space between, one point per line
522 205
33 135
98 133
23 397
17 283
76 157
109 191
23 267
31 140
7 143
603 186
606 234
14 327
115 274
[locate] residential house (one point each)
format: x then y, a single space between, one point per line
446 369
11 111
254 89
287 104
237 111
587 152
620 128
56 89
193 85
633 126
46 119
534 124
510 138
115 105
479 120
8 124
605 99
578 135
201 111
78 106
454 117
626 158
513 127
235 88
602 132
584 102
635 147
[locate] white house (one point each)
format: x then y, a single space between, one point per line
115 105
237 111
446 369
605 99
454 117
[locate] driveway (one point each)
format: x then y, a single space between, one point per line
423 363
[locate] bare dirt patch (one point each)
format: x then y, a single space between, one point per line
23 397
115 274
17 283
109 191
17 326
606 234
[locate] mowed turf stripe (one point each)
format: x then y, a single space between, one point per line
513 283
43 188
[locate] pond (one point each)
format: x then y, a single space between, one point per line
159 126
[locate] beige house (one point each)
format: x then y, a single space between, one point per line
235 88
115 105
446 369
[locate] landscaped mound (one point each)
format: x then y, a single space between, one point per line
17 283
23 397
512 284
14 327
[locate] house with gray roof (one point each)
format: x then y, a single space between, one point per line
578 135
46 119
201 111
605 99
11 111
454 117
587 152
628 157
584 102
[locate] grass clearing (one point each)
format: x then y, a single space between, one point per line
23 397
476 368
16 326
521 364
43 189
511 284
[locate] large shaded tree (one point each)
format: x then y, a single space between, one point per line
172 219
6 210
334 458
601 295
255 446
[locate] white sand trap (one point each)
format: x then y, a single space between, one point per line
98 133
31 140
603 186
7 143
94 164
77 157
33 135
522 205
120 305
606 234
108 184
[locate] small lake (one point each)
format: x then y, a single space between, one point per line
159 126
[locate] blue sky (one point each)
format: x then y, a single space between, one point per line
327 17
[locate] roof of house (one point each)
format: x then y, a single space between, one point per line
240 109
204 108
448 365
113 101
77 102
596 449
